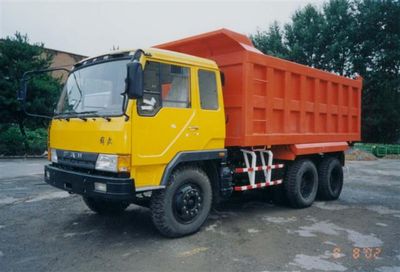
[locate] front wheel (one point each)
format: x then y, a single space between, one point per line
183 207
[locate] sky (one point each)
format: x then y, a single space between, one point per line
93 27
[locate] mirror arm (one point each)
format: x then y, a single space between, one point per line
33 72
124 107
38 115
21 95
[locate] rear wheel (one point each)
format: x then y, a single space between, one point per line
102 206
183 207
301 183
330 174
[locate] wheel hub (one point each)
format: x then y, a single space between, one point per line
334 180
306 185
188 203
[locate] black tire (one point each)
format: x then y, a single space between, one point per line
107 207
183 207
330 173
301 183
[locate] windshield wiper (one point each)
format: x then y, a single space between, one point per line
68 114
95 114
85 112
91 113
78 114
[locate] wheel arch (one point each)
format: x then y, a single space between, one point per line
209 161
319 157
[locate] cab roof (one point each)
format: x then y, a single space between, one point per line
159 54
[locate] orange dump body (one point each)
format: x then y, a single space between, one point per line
270 101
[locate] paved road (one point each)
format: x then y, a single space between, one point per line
42 228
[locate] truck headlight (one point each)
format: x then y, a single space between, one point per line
106 162
113 163
53 155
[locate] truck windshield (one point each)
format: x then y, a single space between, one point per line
95 89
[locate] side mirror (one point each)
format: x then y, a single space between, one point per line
134 80
22 93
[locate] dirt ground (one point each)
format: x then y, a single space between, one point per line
42 228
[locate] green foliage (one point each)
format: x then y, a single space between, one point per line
304 36
274 44
37 139
16 57
349 37
12 141
377 58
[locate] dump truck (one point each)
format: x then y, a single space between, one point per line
184 125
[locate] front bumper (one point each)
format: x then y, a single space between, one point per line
83 184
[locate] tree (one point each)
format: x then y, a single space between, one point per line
271 41
377 59
349 37
303 37
16 57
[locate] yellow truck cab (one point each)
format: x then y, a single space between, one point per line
178 132
138 140
109 148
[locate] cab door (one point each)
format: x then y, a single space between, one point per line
209 120
168 120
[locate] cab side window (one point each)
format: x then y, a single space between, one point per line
208 90
165 85
175 86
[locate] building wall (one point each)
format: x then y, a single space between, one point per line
63 59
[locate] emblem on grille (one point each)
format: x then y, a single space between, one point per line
73 155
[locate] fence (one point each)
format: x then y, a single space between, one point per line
379 150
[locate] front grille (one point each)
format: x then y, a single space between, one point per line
77 159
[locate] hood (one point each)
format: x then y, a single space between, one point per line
95 135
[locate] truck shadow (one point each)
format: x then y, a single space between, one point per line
135 223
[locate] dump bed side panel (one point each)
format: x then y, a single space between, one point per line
286 103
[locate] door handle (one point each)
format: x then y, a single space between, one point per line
193 128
